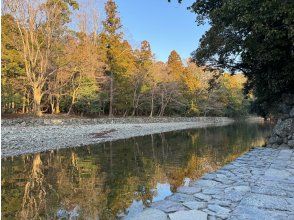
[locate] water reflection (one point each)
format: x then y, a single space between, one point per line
106 180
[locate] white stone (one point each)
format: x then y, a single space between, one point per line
275 174
233 196
237 188
218 209
195 205
150 214
206 183
168 206
265 201
251 212
188 190
202 196
212 191
180 197
188 215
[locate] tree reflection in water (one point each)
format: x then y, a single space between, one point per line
105 179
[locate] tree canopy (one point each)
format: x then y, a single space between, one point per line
92 69
252 36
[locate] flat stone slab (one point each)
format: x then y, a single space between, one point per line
218 209
150 214
254 213
202 197
188 215
168 206
275 174
258 185
266 202
189 190
195 205
180 197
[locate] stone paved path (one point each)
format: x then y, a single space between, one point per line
258 185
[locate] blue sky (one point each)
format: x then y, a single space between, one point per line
167 26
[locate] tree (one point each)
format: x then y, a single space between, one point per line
144 59
157 71
165 90
196 85
175 66
111 38
48 67
39 24
85 68
13 72
255 37
124 71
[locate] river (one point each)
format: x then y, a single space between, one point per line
118 178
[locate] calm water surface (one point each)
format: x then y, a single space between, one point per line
103 181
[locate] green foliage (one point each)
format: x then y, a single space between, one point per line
255 37
12 66
64 7
112 23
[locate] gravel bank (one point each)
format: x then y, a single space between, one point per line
23 137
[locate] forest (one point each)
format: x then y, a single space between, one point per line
48 67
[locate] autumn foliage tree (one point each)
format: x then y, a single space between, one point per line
111 41
89 68
39 24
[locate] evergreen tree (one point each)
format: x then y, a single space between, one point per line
175 65
111 40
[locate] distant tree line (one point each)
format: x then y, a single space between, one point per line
48 67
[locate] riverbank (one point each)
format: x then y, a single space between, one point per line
21 136
257 185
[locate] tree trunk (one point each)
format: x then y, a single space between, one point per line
125 113
13 106
28 106
24 104
73 100
152 103
162 107
57 105
111 96
70 108
135 106
136 98
37 93
51 103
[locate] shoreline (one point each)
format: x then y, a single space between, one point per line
22 138
257 185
